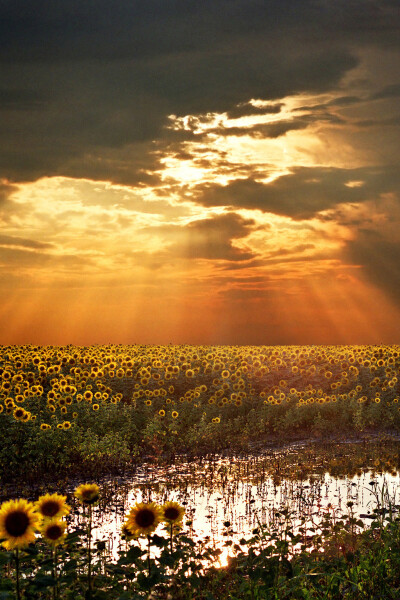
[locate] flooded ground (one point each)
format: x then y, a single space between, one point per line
227 498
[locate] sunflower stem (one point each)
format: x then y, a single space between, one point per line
17 573
90 553
171 527
148 554
55 588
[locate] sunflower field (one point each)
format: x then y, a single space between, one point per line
70 410
84 412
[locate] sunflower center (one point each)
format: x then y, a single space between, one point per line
89 495
53 532
145 518
171 513
49 508
16 523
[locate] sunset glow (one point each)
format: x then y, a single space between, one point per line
182 189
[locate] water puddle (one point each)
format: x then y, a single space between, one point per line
227 498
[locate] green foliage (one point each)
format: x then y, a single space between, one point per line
99 409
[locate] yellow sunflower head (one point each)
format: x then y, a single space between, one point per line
52 506
126 533
172 513
88 493
53 531
18 522
19 413
144 518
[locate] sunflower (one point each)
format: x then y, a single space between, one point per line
53 531
88 493
172 513
126 533
27 417
18 522
143 518
174 414
52 506
19 413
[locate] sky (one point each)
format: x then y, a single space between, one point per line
199 172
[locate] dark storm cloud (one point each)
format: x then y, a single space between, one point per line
270 130
209 238
41 30
84 83
389 91
390 121
246 109
19 99
379 259
323 107
6 205
5 190
305 191
344 101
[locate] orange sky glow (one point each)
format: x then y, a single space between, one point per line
274 220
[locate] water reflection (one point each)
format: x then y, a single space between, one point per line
227 499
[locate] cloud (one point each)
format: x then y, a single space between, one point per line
387 122
20 257
210 238
321 109
88 87
389 91
8 240
7 206
304 192
246 109
6 189
20 99
379 259
147 28
269 130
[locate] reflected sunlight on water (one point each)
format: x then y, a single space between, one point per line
226 502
